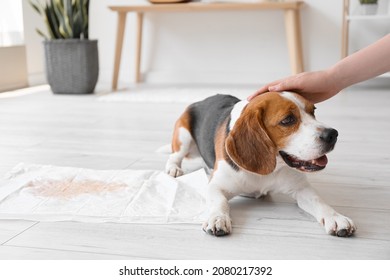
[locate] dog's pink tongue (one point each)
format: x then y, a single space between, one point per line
321 161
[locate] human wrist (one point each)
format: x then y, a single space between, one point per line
337 79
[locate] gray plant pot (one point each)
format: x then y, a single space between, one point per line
72 65
368 9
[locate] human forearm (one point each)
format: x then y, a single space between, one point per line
321 85
365 64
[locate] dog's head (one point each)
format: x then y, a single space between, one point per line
282 124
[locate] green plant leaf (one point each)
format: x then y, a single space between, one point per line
368 1
68 16
85 11
63 18
37 6
59 11
77 26
41 33
53 20
49 24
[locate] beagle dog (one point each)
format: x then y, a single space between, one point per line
255 148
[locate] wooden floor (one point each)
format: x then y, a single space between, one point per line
81 131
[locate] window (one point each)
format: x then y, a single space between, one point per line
11 23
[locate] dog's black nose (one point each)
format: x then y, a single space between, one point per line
329 136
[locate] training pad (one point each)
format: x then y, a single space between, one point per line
53 193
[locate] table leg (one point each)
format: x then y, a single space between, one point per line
345 30
138 48
118 47
294 41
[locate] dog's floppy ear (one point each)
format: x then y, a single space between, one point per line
249 145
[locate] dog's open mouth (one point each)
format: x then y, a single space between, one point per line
303 165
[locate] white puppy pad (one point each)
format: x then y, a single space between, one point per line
53 193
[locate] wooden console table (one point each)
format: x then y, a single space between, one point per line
291 16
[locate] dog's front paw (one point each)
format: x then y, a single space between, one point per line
174 170
218 225
338 225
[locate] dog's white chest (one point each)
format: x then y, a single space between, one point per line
255 185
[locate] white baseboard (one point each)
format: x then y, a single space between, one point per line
184 78
35 79
204 77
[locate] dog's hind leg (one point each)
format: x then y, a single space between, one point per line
183 146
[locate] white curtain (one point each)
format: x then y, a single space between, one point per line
11 23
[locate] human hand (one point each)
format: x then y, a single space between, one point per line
314 86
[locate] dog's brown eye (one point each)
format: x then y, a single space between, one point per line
289 120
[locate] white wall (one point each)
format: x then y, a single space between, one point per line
365 32
247 47
242 47
214 47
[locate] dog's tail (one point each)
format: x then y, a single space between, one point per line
166 149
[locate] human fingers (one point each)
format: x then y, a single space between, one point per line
263 89
290 83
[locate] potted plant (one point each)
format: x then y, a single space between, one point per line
72 63
369 7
